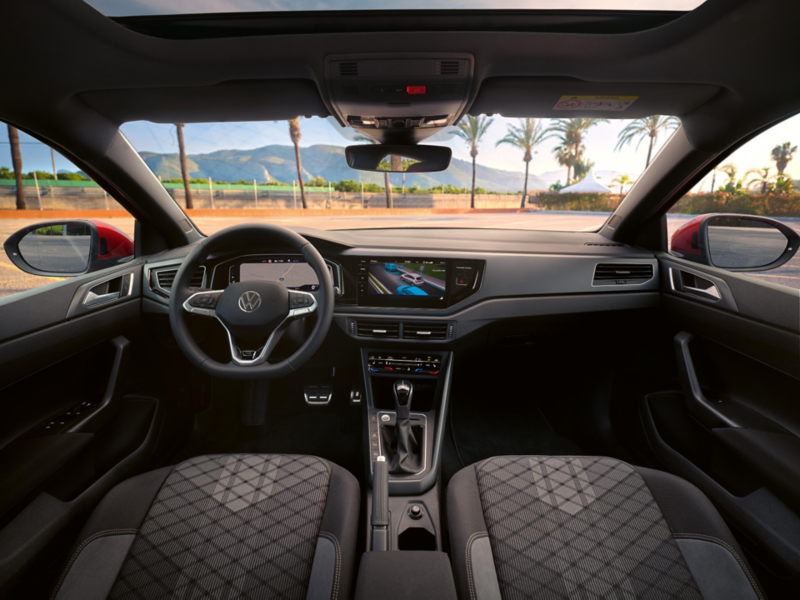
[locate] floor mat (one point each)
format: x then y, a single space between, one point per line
498 428
331 436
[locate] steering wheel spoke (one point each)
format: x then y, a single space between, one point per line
301 304
203 303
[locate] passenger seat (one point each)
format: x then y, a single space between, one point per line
588 527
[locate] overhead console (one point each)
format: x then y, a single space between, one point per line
414 282
399 98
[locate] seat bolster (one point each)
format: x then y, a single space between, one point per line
469 538
338 534
703 536
109 532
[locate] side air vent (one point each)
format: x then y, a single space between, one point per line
350 90
378 329
425 331
348 69
164 278
448 67
621 274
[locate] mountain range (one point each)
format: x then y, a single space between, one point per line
277 163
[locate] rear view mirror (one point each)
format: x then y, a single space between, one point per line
736 242
68 248
398 159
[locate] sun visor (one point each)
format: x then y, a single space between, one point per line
273 100
564 98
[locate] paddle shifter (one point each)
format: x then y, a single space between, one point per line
402 442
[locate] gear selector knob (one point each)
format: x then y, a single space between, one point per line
403 392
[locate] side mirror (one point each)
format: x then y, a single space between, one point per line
68 248
736 242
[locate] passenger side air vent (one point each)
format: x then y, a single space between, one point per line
448 67
621 273
378 329
348 69
425 331
164 278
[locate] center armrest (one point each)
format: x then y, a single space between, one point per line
405 575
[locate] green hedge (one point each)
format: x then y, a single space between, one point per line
766 205
577 201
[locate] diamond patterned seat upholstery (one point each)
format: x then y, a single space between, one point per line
221 526
588 527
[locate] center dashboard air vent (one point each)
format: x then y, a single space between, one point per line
622 273
378 329
425 331
164 278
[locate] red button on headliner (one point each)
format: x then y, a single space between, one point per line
415 89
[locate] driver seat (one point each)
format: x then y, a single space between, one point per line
226 525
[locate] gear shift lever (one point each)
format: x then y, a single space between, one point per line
403 392
401 443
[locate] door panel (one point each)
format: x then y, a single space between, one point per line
79 414
733 427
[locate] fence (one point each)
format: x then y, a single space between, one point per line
89 196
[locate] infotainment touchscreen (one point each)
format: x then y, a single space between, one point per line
420 278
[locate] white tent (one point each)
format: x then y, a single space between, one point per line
587 184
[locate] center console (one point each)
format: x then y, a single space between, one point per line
406 397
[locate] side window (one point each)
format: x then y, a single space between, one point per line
55 222
745 214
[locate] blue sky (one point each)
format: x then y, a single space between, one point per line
203 138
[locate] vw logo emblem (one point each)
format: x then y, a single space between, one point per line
249 301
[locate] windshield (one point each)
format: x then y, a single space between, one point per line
295 173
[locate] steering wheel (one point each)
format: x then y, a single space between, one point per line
255 314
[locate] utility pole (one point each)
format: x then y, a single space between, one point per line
53 158
255 192
38 195
211 192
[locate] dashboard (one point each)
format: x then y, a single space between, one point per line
419 286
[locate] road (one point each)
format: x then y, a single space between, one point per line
12 280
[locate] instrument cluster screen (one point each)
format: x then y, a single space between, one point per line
294 273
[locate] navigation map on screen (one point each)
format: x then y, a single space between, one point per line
423 278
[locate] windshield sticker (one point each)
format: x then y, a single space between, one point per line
612 103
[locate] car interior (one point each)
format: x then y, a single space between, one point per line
531 414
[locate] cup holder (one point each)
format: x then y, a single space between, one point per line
416 538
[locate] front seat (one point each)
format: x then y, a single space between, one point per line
588 527
221 526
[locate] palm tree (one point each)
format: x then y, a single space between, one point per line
760 177
294 132
730 170
16 164
782 154
184 167
622 180
784 186
646 127
571 133
471 131
384 166
526 137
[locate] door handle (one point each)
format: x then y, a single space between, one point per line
693 285
109 290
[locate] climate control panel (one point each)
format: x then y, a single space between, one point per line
404 363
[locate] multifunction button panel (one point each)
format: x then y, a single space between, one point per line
401 364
